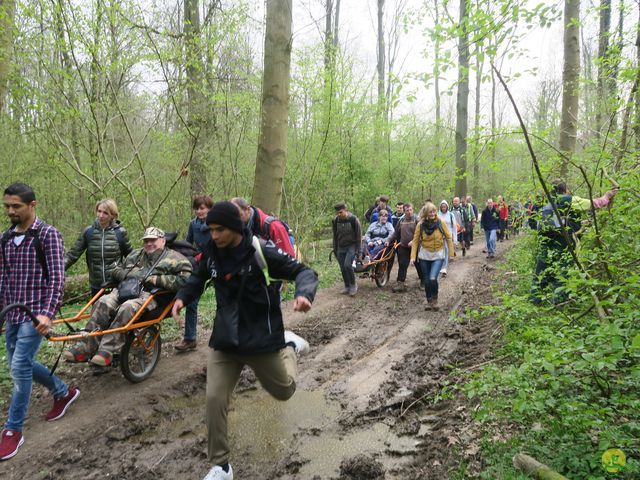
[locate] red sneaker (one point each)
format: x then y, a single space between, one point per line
61 404
10 443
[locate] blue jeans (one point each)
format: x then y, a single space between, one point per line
490 237
191 320
430 270
23 342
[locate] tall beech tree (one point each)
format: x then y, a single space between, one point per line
570 84
272 145
195 111
462 101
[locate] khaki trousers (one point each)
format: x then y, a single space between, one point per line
276 371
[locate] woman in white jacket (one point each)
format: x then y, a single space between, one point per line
449 220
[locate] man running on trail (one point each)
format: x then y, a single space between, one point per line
553 258
248 327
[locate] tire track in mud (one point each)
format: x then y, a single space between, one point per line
373 355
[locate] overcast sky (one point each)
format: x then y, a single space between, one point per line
358 37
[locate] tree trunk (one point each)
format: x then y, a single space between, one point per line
336 24
95 138
603 107
476 126
636 126
381 58
436 85
66 81
462 102
272 147
570 84
494 122
7 12
328 40
195 110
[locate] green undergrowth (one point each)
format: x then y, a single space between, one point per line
566 386
328 274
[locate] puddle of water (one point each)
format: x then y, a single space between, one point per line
264 428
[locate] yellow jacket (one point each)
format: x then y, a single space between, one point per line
433 242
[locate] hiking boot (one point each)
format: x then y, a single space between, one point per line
427 305
185 346
400 287
101 358
10 443
443 272
300 345
74 355
353 289
61 404
434 304
218 473
344 291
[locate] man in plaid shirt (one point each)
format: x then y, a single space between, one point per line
31 273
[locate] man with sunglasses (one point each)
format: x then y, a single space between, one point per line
248 328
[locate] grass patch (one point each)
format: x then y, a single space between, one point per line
567 389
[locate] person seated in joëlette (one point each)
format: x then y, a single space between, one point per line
377 235
153 266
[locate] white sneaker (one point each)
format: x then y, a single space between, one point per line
217 473
302 346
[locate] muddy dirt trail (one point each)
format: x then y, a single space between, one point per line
367 403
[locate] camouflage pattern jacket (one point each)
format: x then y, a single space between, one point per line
170 273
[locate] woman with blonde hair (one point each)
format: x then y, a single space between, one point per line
428 248
105 242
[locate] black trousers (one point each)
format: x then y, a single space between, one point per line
404 258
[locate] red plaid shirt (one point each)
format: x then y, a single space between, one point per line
22 279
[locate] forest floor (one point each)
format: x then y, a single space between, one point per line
374 398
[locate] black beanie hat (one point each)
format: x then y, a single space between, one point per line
226 214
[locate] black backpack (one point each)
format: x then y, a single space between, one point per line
182 246
37 244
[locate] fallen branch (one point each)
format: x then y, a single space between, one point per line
534 468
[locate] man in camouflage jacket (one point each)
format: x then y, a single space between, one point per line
156 267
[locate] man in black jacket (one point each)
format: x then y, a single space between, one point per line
248 328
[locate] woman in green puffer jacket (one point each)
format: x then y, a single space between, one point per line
106 243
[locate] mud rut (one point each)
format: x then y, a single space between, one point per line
366 404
